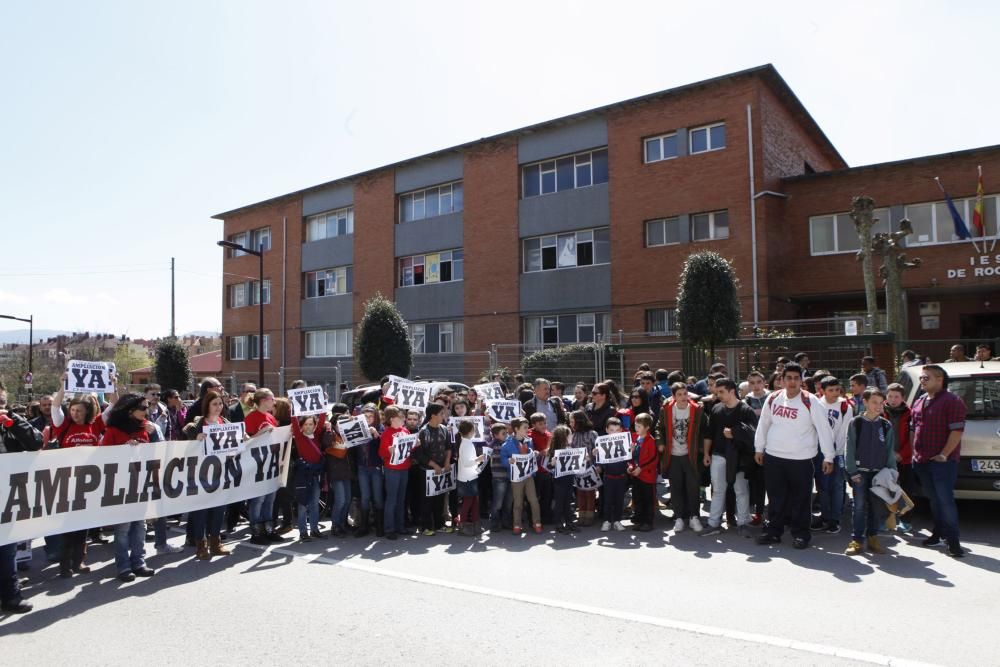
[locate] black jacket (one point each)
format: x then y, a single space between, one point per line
21 436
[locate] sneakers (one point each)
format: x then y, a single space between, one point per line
756 520
932 541
767 538
447 529
818 524
874 546
800 543
606 526
743 531
955 549
538 528
712 530
428 533
618 526
18 607
304 537
168 549
678 525
695 524
832 528
903 527
854 548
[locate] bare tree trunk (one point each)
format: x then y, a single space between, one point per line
862 209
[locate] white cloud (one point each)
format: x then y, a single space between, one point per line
8 297
59 295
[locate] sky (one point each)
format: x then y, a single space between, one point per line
126 125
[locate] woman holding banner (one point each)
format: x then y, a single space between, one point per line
260 420
309 433
338 475
602 407
370 477
207 523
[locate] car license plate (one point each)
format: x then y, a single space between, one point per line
986 465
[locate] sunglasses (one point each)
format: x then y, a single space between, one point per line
142 407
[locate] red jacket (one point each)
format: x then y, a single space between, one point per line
646 458
386 442
665 432
255 421
308 449
114 436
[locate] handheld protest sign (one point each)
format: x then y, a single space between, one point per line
440 483
402 446
571 461
522 466
478 433
90 376
489 391
355 431
613 447
412 396
487 453
307 401
392 387
222 439
504 411
588 481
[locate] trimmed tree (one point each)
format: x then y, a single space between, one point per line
708 307
383 342
171 368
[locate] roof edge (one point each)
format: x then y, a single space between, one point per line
893 163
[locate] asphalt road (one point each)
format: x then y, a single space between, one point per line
590 598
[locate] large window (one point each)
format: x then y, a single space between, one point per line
553 330
561 251
329 343
835 233
238 295
707 138
330 282
246 347
932 222
663 147
437 337
436 267
253 239
565 173
663 232
255 293
248 294
428 203
710 226
661 321
330 225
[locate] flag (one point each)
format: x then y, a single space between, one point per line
977 213
961 231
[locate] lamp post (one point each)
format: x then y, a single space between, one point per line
259 254
31 342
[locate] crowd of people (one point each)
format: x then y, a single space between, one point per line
778 451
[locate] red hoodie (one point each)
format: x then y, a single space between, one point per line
255 421
114 436
648 458
386 442
306 446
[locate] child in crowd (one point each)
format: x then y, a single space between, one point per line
502 499
831 487
540 437
468 479
858 383
518 442
870 448
309 433
563 486
396 475
584 436
615 483
898 414
679 434
643 469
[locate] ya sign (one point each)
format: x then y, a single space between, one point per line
980 266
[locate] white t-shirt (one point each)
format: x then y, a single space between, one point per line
839 419
681 424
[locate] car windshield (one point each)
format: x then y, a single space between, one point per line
981 396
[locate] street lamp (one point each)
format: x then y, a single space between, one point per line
259 254
31 341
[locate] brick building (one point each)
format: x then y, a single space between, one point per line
574 228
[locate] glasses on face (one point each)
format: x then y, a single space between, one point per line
142 407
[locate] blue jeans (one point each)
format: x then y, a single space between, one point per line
863 520
831 492
938 482
10 583
502 507
395 500
310 511
207 522
130 540
340 489
262 508
160 532
372 483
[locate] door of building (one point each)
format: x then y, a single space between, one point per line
979 327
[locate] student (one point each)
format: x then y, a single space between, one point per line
643 469
518 442
312 435
502 499
433 452
338 476
870 448
858 384
638 400
468 479
540 438
875 375
584 436
756 395
898 414
679 434
371 480
602 407
396 475
415 482
615 477
563 512
830 488
206 524
260 420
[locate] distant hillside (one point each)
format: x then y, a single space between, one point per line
21 335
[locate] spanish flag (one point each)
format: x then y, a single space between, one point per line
977 212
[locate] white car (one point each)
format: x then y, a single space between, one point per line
978 384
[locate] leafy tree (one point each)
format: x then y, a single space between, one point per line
383 342
127 359
708 307
172 370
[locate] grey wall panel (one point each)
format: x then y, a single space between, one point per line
564 211
328 312
334 197
426 173
682 141
443 232
328 253
560 140
585 288
440 301
684 227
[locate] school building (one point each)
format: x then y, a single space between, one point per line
577 227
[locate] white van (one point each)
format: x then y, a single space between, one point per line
978 384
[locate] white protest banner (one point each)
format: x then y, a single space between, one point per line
588 481
438 483
57 491
355 431
223 439
503 411
90 376
402 446
570 461
490 391
613 447
393 387
307 401
413 396
479 427
522 466
487 453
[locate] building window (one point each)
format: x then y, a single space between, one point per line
330 282
436 267
661 321
707 138
329 343
663 147
255 292
248 294
554 330
242 348
252 349
561 251
565 173
437 337
710 226
932 223
330 225
835 233
440 200
252 239
238 295
663 232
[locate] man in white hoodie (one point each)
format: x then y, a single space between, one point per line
790 424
